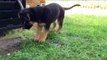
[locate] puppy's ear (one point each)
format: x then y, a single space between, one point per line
23 15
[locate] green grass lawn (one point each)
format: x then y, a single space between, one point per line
83 37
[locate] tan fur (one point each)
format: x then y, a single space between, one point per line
33 3
40 34
43 36
37 30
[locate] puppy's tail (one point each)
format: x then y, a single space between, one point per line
71 7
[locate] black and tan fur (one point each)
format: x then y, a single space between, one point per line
44 16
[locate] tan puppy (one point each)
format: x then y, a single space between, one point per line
33 3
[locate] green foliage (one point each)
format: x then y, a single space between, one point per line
83 37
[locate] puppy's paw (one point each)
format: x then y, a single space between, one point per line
36 39
41 41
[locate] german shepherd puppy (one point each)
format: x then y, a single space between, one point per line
44 16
